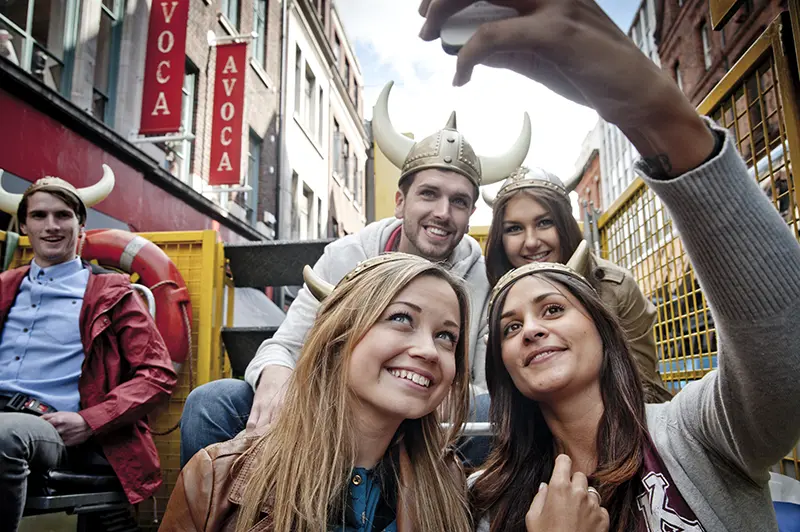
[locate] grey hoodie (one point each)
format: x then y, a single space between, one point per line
342 256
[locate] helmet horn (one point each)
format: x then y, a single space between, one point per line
394 145
318 287
494 169
94 194
8 201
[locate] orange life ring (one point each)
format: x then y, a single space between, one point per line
132 253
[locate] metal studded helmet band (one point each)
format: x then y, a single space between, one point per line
446 149
525 177
577 263
321 288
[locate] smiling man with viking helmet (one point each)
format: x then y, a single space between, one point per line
81 360
439 181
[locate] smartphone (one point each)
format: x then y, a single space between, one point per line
458 29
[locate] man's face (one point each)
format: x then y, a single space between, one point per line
52 227
435 213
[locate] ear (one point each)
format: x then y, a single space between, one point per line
23 229
399 204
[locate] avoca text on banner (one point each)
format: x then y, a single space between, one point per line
226 127
164 67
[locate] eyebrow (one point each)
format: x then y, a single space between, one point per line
536 299
417 308
537 218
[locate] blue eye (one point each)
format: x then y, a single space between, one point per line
512 229
400 317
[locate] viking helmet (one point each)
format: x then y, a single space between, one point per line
87 196
446 149
579 262
524 177
320 288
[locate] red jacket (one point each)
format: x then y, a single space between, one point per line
127 372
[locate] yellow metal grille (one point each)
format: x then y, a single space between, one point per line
756 103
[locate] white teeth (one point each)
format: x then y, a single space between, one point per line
410 375
539 256
437 231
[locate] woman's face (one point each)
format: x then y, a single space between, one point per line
404 366
550 346
529 232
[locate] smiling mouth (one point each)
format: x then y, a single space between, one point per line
436 232
416 378
53 239
541 356
537 257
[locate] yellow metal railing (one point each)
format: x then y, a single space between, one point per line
756 102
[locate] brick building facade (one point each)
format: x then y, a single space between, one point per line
698 57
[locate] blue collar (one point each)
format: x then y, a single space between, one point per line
56 271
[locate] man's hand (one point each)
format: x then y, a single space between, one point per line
576 50
565 505
268 399
71 426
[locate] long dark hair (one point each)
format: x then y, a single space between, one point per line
569 233
524 452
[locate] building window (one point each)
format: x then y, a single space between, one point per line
249 200
106 65
348 170
338 168
320 220
260 27
230 8
311 97
337 48
321 117
179 155
39 36
706 39
298 79
347 73
678 79
355 97
306 221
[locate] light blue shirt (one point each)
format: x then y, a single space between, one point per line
41 353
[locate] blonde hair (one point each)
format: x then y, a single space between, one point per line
305 460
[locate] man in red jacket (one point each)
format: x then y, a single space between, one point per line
81 360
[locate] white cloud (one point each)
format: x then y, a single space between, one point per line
489 107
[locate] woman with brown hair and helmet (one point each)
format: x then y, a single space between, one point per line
532 221
559 369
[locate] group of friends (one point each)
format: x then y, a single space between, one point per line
350 417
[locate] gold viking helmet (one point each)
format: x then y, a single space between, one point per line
525 177
87 196
321 288
446 149
577 263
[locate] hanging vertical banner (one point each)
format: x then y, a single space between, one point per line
226 126
164 67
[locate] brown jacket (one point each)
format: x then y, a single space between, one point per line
637 315
208 492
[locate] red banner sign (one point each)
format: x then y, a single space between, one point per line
226 127
164 67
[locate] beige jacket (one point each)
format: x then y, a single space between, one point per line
637 315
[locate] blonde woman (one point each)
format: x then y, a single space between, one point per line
358 445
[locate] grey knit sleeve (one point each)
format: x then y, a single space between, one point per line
748 263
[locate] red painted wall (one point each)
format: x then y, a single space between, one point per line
33 145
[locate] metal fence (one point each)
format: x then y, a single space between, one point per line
756 101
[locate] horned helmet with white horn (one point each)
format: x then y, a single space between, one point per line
446 149
321 289
526 177
87 196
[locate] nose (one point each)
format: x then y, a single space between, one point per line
531 239
50 223
424 348
533 330
442 209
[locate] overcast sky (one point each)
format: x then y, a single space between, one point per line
489 108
